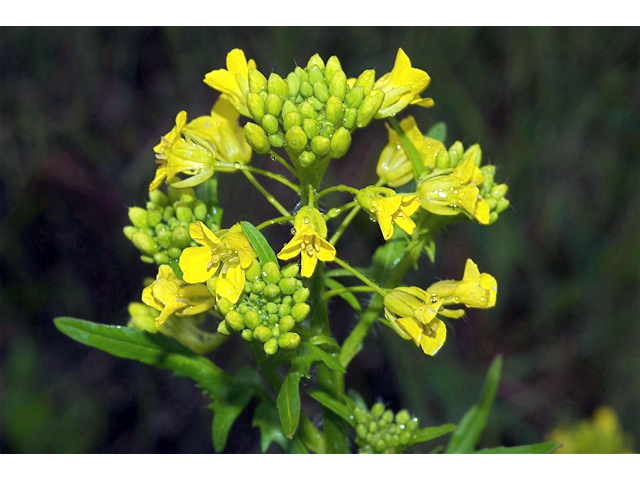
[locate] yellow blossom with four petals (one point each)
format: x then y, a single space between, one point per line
475 290
402 86
309 241
233 82
229 255
389 208
172 296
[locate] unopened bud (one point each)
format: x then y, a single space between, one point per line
377 410
278 86
247 335
277 140
287 322
253 271
316 104
293 82
369 107
338 85
315 75
306 89
159 198
499 191
270 124
296 139
262 333
320 145
273 104
315 60
340 142
302 74
488 174
333 110
224 306
502 205
301 295
455 153
289 340
258 286
366 81
257 138
442 159
234 320
180 237
290 270
332 66
321 91
476 151
300 311
251 319
161 258
271 347
257 81
174 252
255 104
138 217
306 110
354 97
184 214
271 291
223 329
311 127
307 158
144 243
129 230
163 237
350 118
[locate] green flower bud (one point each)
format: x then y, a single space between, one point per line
223 329
320 145
278 86
350 118
488 175
503 204
251 319
288 107
271 272
154 214
493 217
159 198
320 91
499 191
255 104
147 259
333 66
287 285
273 104
184 214
301 295
366 80
174 252
289 341
262 333
340 142
306 110
163 237
311 127
361 431
492 202
180 237
290 270
187 195
373 427
293 82
307 158
388 416
173 223
271 291
338 85
169 212
354 97
369 107
333 110
271 307
243 308
200 210
271 347
138 217
144 243
292 119
442 159
315 60
247 335
361 415
296 139
257 81
253 271
273 318
405 438
379 446
300 311
402 417
455 154
258 286
476 151
377 410
224 306
234 320
302 74
287 322
306 89
129 230
161 258
270 124
316 104
257 138
277 140
315 75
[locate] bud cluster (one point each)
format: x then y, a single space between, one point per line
311 112
272 305
161 231
380 431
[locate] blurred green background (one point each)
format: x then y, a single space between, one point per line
558 110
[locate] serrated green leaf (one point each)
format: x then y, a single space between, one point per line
438 132
259 243
348 297
429 433
412 153
333 404
158 350
466 436
317 354
288 403
547 447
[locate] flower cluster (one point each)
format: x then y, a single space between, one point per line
380 431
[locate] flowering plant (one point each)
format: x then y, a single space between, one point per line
233 275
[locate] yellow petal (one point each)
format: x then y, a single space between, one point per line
411 328
196 264
327 251
201 234
230 284
291 249
161 174
149 299
308 262
433 341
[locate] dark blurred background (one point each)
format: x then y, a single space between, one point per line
556 109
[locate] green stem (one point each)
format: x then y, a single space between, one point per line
360 276
339 291
274 221
232 167
338 188
336 211
345 223
270 198
283 162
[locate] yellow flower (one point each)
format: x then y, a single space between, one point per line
603 434
412 314
449 191
177 155
231 255
389 208
402 86
394 166
222 131
233 81
172 296
309 241
475 290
